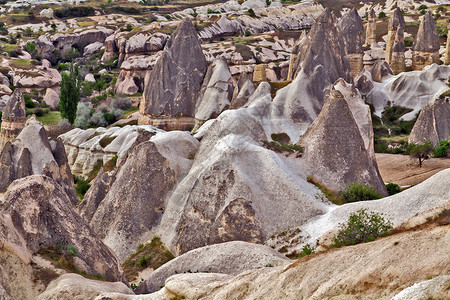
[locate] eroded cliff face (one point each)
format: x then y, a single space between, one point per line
13 118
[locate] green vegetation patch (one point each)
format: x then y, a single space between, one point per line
52 118
358 191
332 195
149 255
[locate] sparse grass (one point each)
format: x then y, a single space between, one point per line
105 141
149 255
21 63
111 164
333 196
127 112
52 118
275 86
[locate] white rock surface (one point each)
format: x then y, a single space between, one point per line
92 48
429 289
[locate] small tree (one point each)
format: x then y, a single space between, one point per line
362 227
421 151
70 93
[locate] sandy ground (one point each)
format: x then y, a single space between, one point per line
404 170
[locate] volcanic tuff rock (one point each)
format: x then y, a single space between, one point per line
74 286
397 261
396 21
227 258
32 153
173 87
216 92
426 46
364 82
153 166
410 89
13 118
45 217
397 62
352 29
242 91
380 71
433 123
371 28
447 47
87 148
335 151
435 288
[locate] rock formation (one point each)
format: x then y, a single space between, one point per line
172 89
433 123
87 149
352 29
216 92
151 170
259 73
371 28
447 47
32 153
410 89
242 91
397 61
74 286
426 46
380 71
227 258
44 216
396 21
335 151
13 118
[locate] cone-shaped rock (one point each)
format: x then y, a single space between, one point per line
335 151
396 21
172 88
371 28
32 153
447 47
397 61
426 47
352 30
380 70
433 123
13 118
324 46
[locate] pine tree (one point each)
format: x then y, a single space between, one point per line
70 93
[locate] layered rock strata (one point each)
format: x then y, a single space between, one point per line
172 88
13 118
426 47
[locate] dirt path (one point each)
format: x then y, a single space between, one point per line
404 170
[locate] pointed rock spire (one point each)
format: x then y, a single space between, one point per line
371 28
13 118
352 30
395 21
426 47
397 61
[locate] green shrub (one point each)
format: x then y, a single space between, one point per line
393 188
75 12
28 102
307 250
251 13
381 15
362 227
71 54
423 6
442 149
81 186
359 192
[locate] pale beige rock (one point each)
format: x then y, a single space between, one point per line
259 74
447 47
426 47
371 28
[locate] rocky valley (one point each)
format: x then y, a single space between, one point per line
258 149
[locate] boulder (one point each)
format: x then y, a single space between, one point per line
45 217
227 258
74 286
154 165
352 29
364 82
92 48
259 73
426 46
173 86
433 123
89 78
46 13
51 97
428 289
335 151
216 92
32 153
242 92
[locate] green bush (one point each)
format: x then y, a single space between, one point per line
251 13
362 227
28 102
442 149
71 54
307 250
81 186
75 12
359 192
381 15
393 188
423 6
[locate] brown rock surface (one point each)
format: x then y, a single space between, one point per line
371 28
396 21
397 60
447 48
13 118
352 29
380 70
259 74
